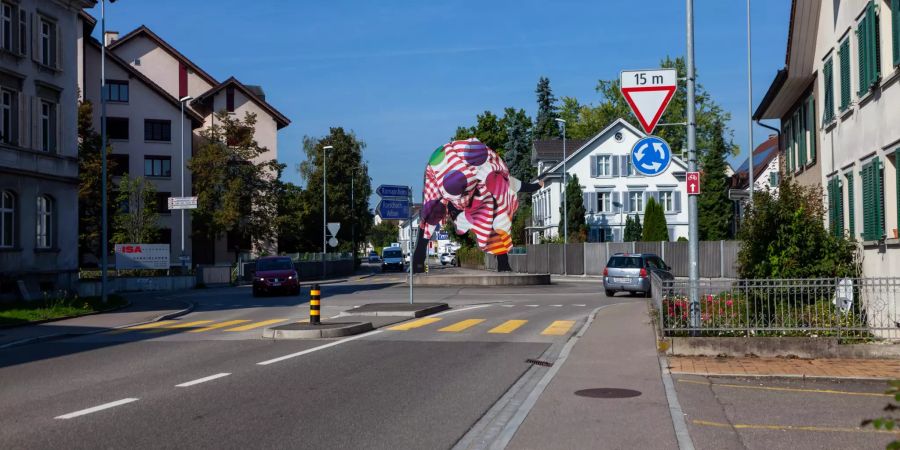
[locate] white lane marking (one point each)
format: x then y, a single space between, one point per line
579 304
96 408
532 306
203 380
507 306
557 306
315 349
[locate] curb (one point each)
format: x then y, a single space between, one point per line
50 337
350 328
783 375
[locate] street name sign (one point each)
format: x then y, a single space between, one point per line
648 92
393 209
182 202
651 156
693 183
391 191
142 256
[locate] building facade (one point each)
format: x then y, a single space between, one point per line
766 177
612 189
851 52
38 142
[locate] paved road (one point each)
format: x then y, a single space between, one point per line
418 384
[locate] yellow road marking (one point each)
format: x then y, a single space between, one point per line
742 426
218 325
558 328
508 327
414 324
178 325
251 326
768 388
152 325
462 325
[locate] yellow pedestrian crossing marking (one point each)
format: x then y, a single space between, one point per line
152 325
414 324
251 326
508 327
178 325
558 328
218 325
462 325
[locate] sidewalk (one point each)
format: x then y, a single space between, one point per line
618 351
878 369
145 307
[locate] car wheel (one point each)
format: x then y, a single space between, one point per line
610 293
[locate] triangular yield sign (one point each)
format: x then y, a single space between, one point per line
648 103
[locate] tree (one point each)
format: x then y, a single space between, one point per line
545 126
575 206
135 221
489 129
90 180
383 234
714 206
518 144
655 226
784 236
633 229
344 163
236 187
290 217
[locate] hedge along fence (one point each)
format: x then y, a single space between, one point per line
718 259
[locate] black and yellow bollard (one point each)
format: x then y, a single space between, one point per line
315 296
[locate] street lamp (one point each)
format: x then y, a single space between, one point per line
324 208
565 200
104 244
183 100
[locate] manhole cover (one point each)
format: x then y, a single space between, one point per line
607 393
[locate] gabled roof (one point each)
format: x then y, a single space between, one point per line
146 32
232 81
134 73
552 149
762 156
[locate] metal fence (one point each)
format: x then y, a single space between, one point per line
849 308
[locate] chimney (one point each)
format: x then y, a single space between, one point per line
110 37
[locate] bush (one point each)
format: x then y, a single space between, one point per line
471 257
655 226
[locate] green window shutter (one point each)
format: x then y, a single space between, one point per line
875 44
861 45
828 75
866 176
851 206
788 145
832 219
897 177
800 131
811 124
844 59
895 31
878 188
840 206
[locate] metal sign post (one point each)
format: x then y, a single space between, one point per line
693 234
411 246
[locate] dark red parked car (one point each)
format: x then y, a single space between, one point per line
275 274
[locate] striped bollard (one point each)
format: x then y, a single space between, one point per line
315 296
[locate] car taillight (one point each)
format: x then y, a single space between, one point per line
605 272
643 272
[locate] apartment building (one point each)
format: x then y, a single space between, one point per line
612 189
842 75
38 142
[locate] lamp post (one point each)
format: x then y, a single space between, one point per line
565 200
324 207
104 239
182 100
750 102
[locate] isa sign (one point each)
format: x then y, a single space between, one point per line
390 209
142 256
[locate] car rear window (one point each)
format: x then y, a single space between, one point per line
274 264
392 254
624 262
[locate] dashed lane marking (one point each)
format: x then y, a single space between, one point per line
96 408
219 325
254 325
558 328
784 389
462 325
414 324
203 380
508 327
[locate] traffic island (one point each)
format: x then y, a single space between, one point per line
396 309
482 279
301 330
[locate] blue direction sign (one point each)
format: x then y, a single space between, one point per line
651 156
393 209
387 190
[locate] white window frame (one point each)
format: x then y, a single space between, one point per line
636 195
667 200
604 165
48 126
604 202
7 13
7 209
44 225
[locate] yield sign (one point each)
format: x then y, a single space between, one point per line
648 92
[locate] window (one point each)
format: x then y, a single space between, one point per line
48 42
872 177
801 135
44 230
604 165
667 200
868 47
158 166
7 219
6 26
636 201
844 57
48 126
773 179
8 117
118 164
117 127
835 207
851 206
828 75
229 99
116 91
604 202
157 130
162 204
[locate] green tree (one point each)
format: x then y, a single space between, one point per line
290 217
344 163
383 234
489 129
714 206
135 221
633 229
90 180
545 126
236 188
518 145
784 236
576 213
655 226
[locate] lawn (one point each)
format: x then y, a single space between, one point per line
53 307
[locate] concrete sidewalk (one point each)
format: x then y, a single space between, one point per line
145 307
858 369
616 355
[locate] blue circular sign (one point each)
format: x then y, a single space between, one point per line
651 156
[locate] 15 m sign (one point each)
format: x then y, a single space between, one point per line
648 92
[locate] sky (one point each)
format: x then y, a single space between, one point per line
402 75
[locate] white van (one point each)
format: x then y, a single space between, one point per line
391 259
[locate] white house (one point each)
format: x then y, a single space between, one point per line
610 185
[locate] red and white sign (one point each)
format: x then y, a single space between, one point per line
648 92
693 183
142 256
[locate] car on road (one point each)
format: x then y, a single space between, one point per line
373 257
448 258
275 274
391 259
630 272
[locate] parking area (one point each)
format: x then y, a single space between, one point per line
792 413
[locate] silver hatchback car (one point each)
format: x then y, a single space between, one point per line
630 272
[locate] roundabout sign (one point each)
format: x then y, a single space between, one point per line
651 156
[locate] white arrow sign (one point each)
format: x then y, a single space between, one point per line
333 228
333 242
648 92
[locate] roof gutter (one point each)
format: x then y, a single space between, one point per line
774 88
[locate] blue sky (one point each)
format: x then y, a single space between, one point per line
404 74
